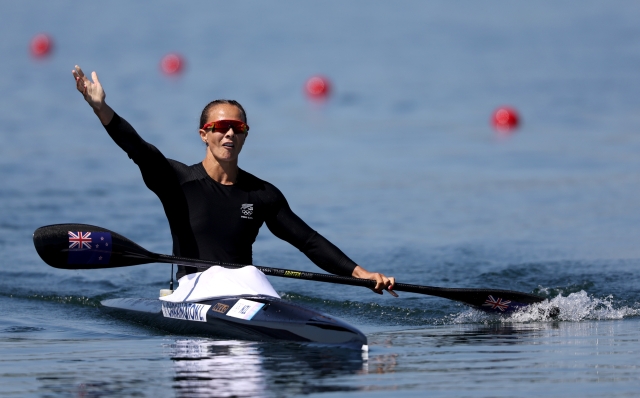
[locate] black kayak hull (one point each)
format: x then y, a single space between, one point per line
248 317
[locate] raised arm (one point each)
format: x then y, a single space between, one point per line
156 170
93 93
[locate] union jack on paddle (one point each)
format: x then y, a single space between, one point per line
496 303
79 240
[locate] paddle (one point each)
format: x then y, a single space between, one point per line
81 246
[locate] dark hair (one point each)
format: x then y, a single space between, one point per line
205 111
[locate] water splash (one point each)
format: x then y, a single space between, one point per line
575 307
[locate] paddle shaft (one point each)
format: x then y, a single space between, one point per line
459 294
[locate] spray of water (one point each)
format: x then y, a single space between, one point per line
573 308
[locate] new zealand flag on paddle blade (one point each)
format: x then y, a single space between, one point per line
89 247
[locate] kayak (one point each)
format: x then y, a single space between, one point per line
237 304
244 317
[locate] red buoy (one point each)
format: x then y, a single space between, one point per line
317 87
505 119
172 64
41 45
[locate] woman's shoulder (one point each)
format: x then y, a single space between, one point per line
250 182
187 173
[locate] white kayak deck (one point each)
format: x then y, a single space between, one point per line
221 282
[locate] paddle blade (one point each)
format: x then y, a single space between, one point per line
489 300
496 300
82 246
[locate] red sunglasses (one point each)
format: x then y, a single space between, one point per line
224 125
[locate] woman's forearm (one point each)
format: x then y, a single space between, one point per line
104 113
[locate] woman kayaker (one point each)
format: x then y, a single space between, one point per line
214 208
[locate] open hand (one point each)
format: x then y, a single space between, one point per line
91 90
383 283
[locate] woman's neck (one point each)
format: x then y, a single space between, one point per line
226 173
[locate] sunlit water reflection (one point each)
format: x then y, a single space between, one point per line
450 360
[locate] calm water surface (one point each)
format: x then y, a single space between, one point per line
399 168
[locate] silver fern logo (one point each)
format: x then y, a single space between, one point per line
247 210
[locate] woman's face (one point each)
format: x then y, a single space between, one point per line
225 146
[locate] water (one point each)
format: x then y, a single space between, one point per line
400 169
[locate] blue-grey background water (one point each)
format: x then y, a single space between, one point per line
400 168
